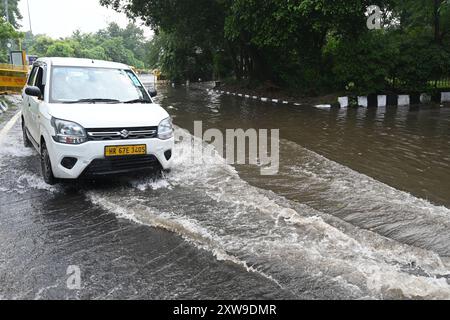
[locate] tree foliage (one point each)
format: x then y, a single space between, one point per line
309 45
13 12
7 34
126 45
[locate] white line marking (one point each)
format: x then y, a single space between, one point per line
9 126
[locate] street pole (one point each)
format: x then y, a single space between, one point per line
29 16
7 10
7 20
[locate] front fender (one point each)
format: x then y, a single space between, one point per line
46 131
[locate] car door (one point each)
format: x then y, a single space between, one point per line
34 104
26 99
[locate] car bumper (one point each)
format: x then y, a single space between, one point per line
91 158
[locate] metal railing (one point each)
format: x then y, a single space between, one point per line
441 83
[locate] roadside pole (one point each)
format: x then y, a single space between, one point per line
6 10
6 5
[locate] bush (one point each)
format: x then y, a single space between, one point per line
365 63
421 60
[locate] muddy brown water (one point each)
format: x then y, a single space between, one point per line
359 209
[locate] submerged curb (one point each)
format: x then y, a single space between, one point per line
247 96
360 101
3 107
392 100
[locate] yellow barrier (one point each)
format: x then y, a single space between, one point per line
12 78
10 67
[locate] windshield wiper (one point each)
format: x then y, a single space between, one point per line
137 101
94 100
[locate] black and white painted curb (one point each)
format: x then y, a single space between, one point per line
246 96
3 107
392 100
361 101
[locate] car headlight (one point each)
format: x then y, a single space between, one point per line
165 129
68 132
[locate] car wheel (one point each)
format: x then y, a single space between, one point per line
26 141
46 166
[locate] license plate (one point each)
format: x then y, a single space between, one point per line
120 151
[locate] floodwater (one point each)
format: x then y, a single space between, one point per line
358 210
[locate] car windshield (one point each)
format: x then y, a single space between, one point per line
91 85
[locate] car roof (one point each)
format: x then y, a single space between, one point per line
78 62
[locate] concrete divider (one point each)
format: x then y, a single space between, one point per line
343 102
445 97
363 102
323 106
347 101
403 100
381 100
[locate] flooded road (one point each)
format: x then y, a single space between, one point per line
359 209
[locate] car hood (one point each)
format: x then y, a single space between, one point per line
109 115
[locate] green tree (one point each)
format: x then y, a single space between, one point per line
112 43
179 58
311 45
14 13
97 53
198 26
40 44
7 33
115 50
60 49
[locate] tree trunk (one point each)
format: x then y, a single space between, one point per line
437 21
234 59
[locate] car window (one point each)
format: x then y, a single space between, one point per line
32 76
39 80
69 84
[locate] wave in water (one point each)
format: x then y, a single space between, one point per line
291 243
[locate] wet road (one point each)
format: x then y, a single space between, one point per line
358 210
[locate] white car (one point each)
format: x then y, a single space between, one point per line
92 118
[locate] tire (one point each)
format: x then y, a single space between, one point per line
46 166
26 141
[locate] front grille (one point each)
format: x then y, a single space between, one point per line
121 165
108 134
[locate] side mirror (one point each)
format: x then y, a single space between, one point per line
153 93
33 91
